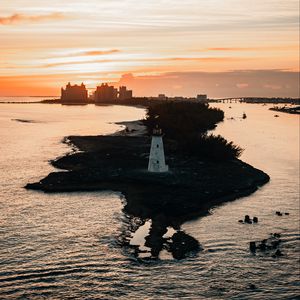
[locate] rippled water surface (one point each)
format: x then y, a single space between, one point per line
64 246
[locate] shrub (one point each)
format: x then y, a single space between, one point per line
215 147
187 123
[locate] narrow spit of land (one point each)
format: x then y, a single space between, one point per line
119 163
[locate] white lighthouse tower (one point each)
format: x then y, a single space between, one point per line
157 156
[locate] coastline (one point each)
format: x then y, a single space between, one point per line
118 162
131 128
289 110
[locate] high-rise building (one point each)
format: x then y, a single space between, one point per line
124 94
105 93
74 93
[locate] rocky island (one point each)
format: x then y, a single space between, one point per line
194 184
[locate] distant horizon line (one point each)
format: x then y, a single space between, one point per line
30 96
213 98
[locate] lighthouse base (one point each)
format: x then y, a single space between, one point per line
157 168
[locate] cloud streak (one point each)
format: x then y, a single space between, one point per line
269 48
162 59
21 18
91 53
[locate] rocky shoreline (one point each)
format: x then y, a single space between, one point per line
119 163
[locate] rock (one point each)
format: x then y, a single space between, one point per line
155 242
252 286
262 246
252 246
182 244
241 221
278 213
277 253
255 220
287 214
275 244
247 219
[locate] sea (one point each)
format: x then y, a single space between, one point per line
64 245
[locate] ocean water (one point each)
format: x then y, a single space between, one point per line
26 99
64 246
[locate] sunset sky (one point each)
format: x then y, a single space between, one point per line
219 47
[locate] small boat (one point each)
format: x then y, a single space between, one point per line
244 116
276 116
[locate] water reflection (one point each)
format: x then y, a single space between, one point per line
147 239
63 246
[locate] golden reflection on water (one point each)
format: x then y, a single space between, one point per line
61 246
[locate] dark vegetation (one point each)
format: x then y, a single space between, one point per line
187 124
290 110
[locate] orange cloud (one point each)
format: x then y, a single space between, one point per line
163 59
232 48
291 47
242 85
91 53
209 59
76 63
20 18
98 52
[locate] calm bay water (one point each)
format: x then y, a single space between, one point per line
26 99
63 246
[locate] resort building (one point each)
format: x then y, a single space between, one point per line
105 93
74 93
124 94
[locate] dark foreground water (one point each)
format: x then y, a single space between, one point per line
64 246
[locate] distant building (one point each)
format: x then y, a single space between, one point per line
162 97
202 98
124 94
74 93
178 98
105 93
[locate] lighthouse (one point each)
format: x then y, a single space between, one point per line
157 162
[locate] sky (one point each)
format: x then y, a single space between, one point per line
223 48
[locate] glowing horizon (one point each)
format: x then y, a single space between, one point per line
44 47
